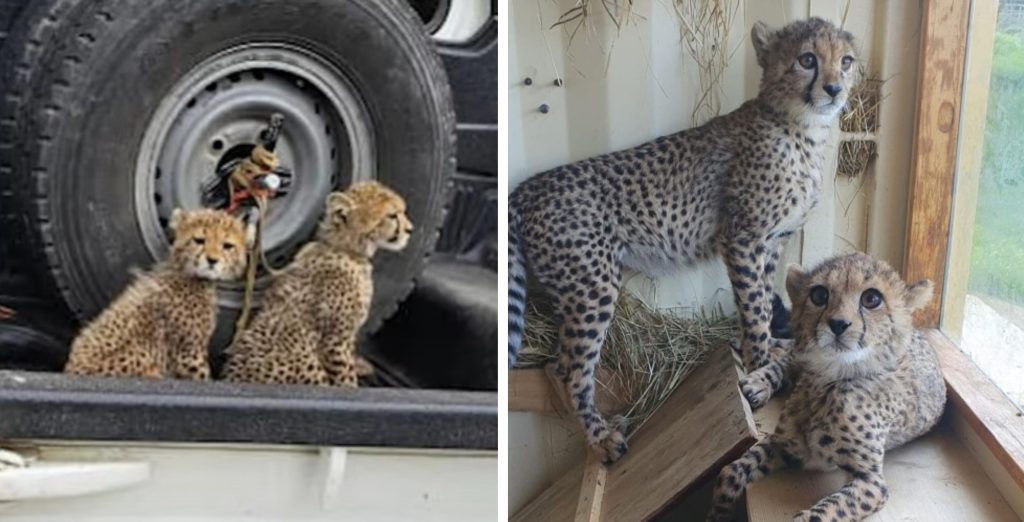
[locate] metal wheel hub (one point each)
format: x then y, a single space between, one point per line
217 111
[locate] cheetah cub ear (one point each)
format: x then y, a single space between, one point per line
762 36
918 294
796 282
177 218
339 206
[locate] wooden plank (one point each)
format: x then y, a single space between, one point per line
538 390
972 139
588 507
530 390
985 408
931 478
943 45
704 424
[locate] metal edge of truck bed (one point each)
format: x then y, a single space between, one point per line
56 406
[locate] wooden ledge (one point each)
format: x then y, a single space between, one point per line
996 420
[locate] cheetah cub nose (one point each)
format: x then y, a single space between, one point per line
838 326
211 260
832 89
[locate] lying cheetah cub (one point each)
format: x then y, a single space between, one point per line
869 382
161 324
305 332
735 187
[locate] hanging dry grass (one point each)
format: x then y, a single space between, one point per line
646 354
579 15
860 117
861 112
854 157
704 30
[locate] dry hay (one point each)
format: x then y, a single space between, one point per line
646 354
859 117
703 31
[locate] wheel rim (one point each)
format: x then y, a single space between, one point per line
217 111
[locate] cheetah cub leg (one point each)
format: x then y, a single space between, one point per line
764 382
585 321
746 259
861 497
756 463
339 359
189 359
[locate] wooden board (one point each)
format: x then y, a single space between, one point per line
537 390
934 157
530 390
985 408
703 425
932 479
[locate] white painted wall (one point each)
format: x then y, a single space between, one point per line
617 95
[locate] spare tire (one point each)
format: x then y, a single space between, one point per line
115 112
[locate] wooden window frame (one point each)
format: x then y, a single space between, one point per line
947 134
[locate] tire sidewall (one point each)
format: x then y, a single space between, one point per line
127 64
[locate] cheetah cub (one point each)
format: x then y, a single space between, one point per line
305 332
869 381
161 324
735 187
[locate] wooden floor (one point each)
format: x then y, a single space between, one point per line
934 479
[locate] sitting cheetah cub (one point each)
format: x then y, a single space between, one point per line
869 382
161 324
305 332
735 187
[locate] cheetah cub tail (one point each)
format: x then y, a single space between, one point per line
516 291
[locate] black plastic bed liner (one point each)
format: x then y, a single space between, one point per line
57 406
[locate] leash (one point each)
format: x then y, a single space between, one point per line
251 182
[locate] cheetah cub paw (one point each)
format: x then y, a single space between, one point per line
611 445
756 388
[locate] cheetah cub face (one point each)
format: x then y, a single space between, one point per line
808 68
852 316
208 244
370 213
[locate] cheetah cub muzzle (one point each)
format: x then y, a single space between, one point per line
735 187
867 382
306 329
161 324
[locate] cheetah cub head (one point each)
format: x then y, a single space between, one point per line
809 67
852 315
208 244
365 217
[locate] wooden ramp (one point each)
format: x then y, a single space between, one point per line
702 426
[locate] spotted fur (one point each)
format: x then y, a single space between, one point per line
868 382
735 187
305 331
161 324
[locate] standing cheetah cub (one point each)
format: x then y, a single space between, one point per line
735 187
305 332
161 324
869 382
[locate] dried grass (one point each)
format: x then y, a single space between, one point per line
704 30
647 352
859 117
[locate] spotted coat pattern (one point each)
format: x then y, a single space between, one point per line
734 187
306 329
867 382
161 324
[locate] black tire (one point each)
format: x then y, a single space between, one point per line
81 78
